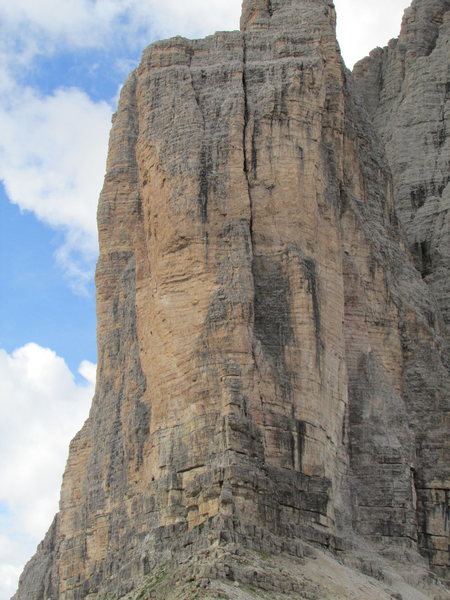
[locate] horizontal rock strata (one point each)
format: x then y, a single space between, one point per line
406 90
270 360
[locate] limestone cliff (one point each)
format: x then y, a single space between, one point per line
406 90
269 419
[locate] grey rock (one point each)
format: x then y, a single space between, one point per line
272 388
406 91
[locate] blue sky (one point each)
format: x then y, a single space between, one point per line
61 67
37 303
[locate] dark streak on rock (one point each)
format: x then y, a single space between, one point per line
203 181
254 148
310 274
418 196
272 313
301 431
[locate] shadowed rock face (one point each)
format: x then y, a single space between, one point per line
406 90
270 361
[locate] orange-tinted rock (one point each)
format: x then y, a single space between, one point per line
265 342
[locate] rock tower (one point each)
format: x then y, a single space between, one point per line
271 411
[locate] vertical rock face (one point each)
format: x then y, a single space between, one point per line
406 90
270 361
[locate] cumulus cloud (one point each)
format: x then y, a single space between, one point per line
52 161
53 148
52 158
39 395
362 26
74 22
12 557
88 370
194 18
88 23
42 408
9 573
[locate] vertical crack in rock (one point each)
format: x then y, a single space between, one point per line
244 140
310 273
286 391
248 183
206 163
300 430
205 168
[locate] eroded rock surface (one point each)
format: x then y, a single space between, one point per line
406 90
270 361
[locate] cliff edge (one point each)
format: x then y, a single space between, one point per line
272 385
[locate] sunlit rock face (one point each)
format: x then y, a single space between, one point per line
270 380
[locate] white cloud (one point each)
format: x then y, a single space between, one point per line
194 18
9 575
42 409
74 22
362 26
84 23
88 370
53 154
13 555
53 148
87 23
52 161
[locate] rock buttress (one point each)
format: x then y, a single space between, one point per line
406 89
254 297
